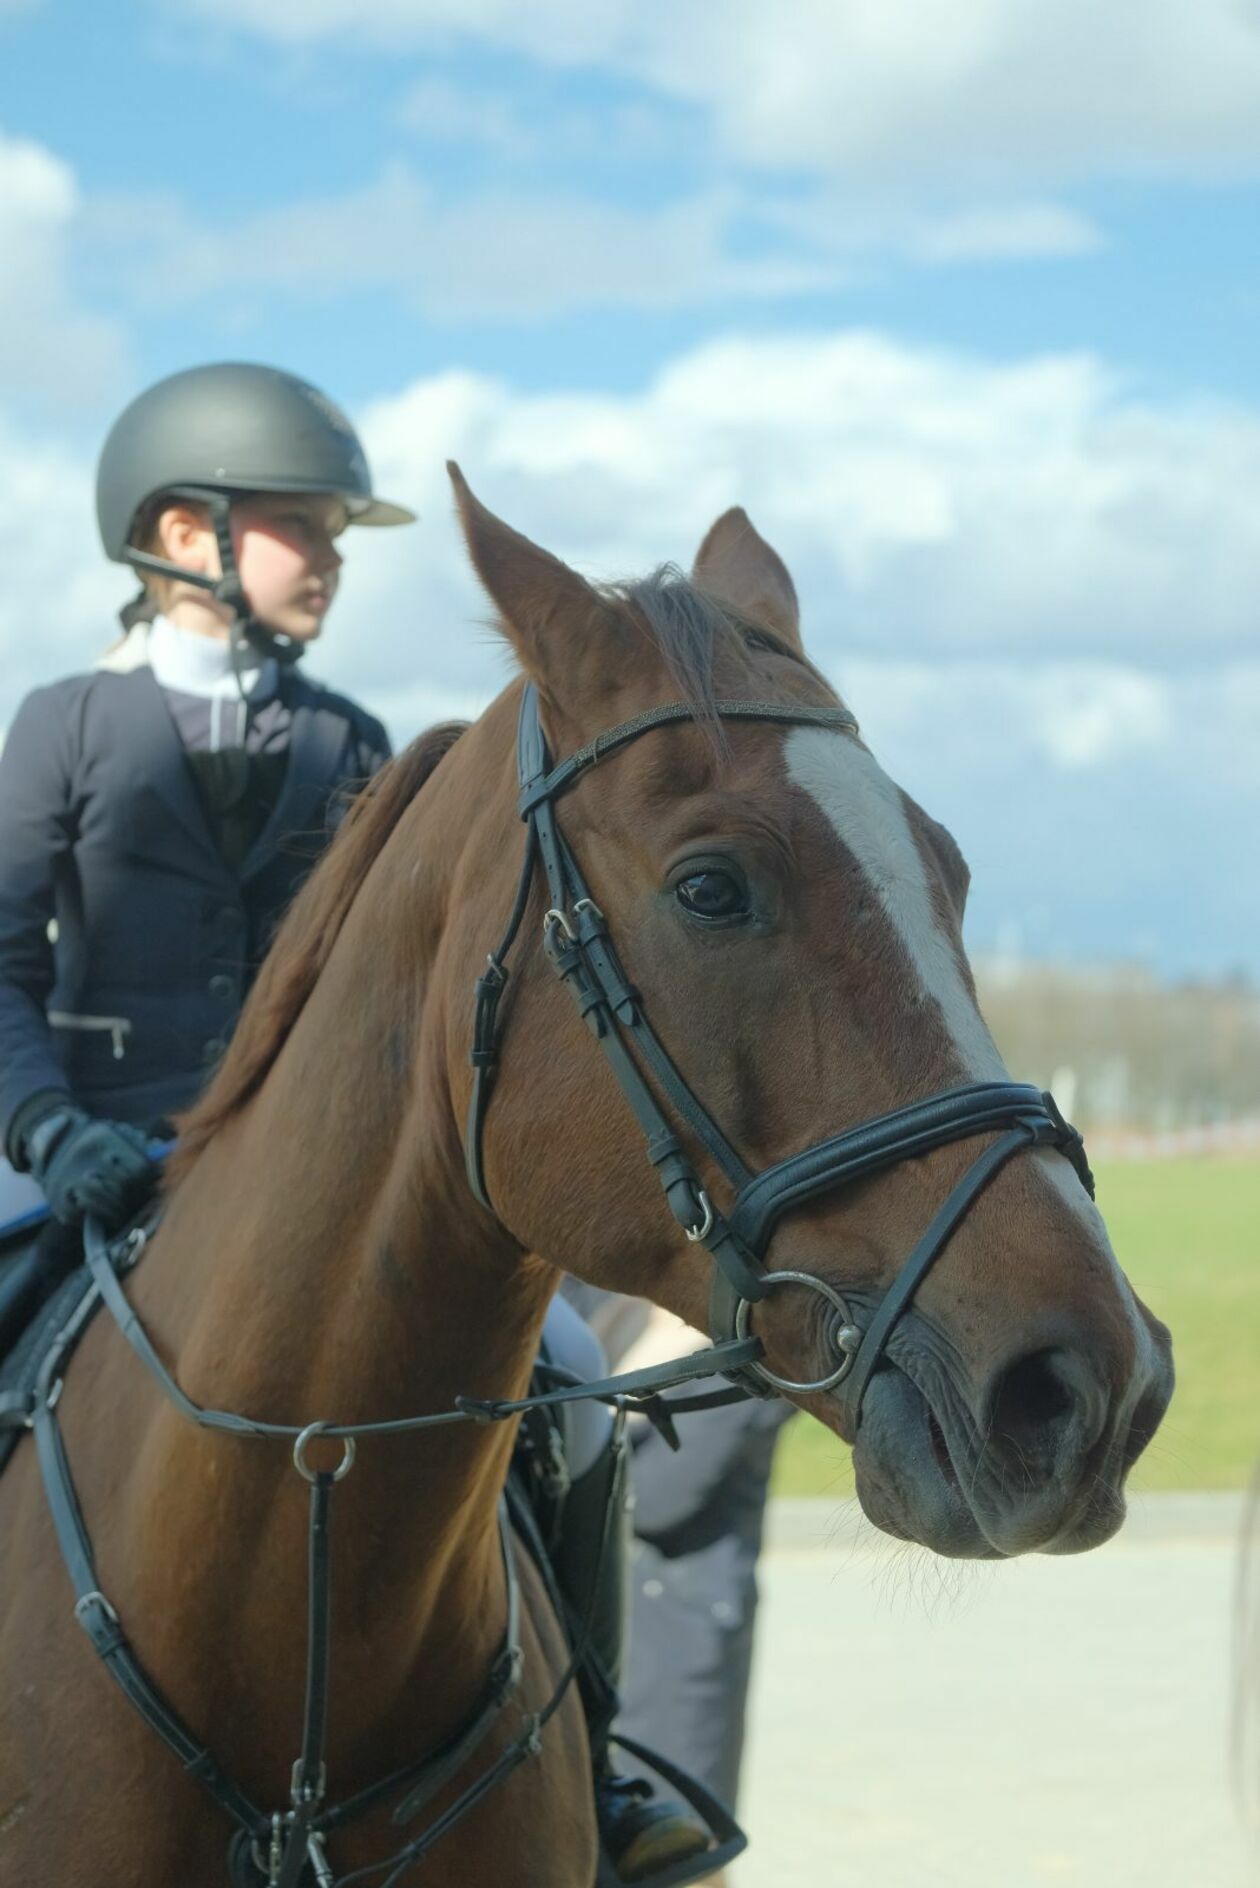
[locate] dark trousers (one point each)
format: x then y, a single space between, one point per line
698 1524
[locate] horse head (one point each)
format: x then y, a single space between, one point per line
791 921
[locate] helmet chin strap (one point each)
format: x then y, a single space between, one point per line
247 637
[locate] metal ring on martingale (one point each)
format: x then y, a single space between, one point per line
845 1334
299 1453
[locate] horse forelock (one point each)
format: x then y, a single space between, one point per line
696 636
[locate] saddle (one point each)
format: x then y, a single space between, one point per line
44 1291
20 1368
22 1218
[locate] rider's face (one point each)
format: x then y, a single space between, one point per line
288 560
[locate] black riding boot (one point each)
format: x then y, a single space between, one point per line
641 1832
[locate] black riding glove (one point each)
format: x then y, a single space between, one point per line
88 1166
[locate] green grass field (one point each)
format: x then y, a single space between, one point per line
1187 1232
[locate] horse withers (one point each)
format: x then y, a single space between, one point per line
791 923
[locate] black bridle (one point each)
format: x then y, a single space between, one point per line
580 950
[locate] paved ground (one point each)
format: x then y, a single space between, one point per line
1052 1721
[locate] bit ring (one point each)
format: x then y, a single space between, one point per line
845 1334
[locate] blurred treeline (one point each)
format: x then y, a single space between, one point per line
1124 1051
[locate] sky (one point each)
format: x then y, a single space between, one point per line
959 298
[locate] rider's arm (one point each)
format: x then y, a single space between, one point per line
37 830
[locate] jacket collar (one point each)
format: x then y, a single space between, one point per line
190 664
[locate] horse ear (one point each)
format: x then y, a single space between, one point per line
559 626
736 566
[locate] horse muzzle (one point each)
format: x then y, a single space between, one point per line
1033 1460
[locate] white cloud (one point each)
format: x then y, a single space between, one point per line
1095 714
1038 591
1104 808
529 255
533 254
1008 233
58 595
932 506
867 89
51 349
935 508
447 113
831 224
509 125
1067 717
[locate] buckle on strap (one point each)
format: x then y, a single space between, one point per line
100 1622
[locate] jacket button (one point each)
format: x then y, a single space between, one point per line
222 987
212 1050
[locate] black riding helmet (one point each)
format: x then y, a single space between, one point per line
215 433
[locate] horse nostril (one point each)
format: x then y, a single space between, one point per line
1042 1404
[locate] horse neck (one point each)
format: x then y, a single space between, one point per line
334 1210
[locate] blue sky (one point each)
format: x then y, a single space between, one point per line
245 126
961 301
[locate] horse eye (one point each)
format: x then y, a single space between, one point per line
711 895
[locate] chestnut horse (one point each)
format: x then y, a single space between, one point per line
793 921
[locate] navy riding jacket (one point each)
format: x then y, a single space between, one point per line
131 1001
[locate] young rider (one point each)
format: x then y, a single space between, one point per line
158 814
163 808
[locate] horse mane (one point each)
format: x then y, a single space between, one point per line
306 937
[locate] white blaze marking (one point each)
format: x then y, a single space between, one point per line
866 812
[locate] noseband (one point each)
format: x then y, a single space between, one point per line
578 946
